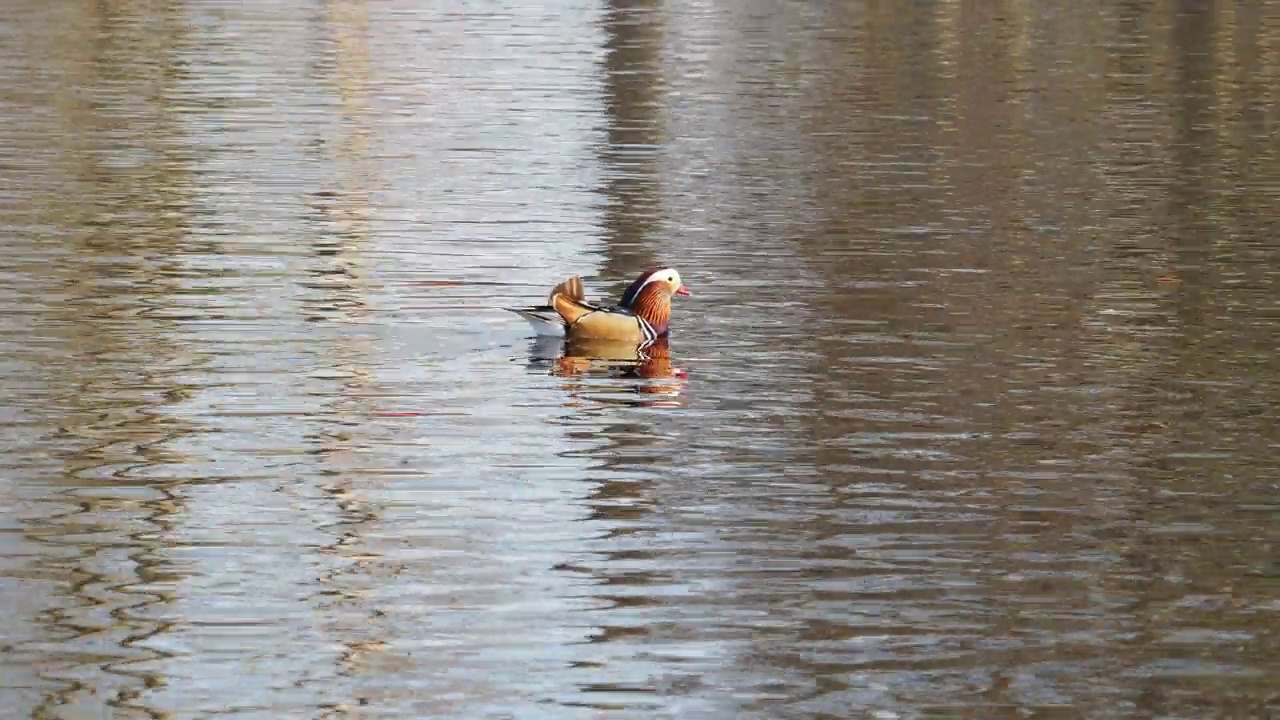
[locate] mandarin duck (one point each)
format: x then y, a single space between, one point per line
641 317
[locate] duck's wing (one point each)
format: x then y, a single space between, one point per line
544 318
570 288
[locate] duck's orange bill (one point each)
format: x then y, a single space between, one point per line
682 290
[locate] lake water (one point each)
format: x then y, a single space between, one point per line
972 414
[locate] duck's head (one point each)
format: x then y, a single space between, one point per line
665 281
650 296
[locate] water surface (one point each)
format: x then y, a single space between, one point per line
977 416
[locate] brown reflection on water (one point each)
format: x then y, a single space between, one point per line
1016 360
107 214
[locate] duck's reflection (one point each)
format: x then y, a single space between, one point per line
585 358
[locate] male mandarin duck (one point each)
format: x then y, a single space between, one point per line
641 317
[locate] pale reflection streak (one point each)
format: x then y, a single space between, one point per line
340 432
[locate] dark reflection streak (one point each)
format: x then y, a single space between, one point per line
1130 99
1251 166
1193 27
890 77
1133 100
633 34
1251 158
632 100
979 172
1194 139
1194 228
836 192
985 168
880 86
